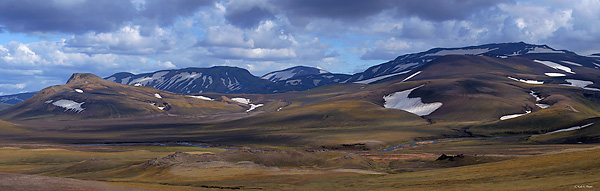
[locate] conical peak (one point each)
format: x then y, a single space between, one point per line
83 78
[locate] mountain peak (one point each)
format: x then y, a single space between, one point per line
292 72
83 78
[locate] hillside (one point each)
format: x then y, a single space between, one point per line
86 96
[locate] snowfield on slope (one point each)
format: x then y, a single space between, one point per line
254 106
555 66
202 98
371 80
69 105
514 115
241 100
580 83
555 74
571 128
400 100
411 76
461 52
527 81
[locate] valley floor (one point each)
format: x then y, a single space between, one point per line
500 163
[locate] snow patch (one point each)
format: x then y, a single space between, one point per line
401 67
400 100
543 50
527 81
371 80
254 106
49 101
461 52
571 128
555 66
158 96
161 108
316 82
241 100
280 76
69 105
537 98
571 63
555 74
409 77
543 106
202 98
79 90
293 82
137 85
112 79
514 115
580 83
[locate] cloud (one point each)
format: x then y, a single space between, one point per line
82 16
385 50
127 40
248 14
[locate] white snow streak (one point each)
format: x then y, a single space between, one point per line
571 63
158 96
581 84
543 50
400 100
555 66
543 106
241 100
527 81
79 90
411 76
572 128
69 105
371 80
537 98
555 74
202 98
461 52
514 115
293 82
254 106
49 101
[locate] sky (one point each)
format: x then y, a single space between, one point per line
42 42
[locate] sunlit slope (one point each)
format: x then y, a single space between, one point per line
88 96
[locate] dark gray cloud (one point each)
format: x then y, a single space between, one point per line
54 16
164 13
64 16
442 10
354 11
248 18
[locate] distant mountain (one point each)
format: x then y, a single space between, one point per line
87 96
292 72
5 105
403 64
237 80
306 82
16 98
231 80
219 79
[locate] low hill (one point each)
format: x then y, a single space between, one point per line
86 96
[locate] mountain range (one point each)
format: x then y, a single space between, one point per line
487 90
223 79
